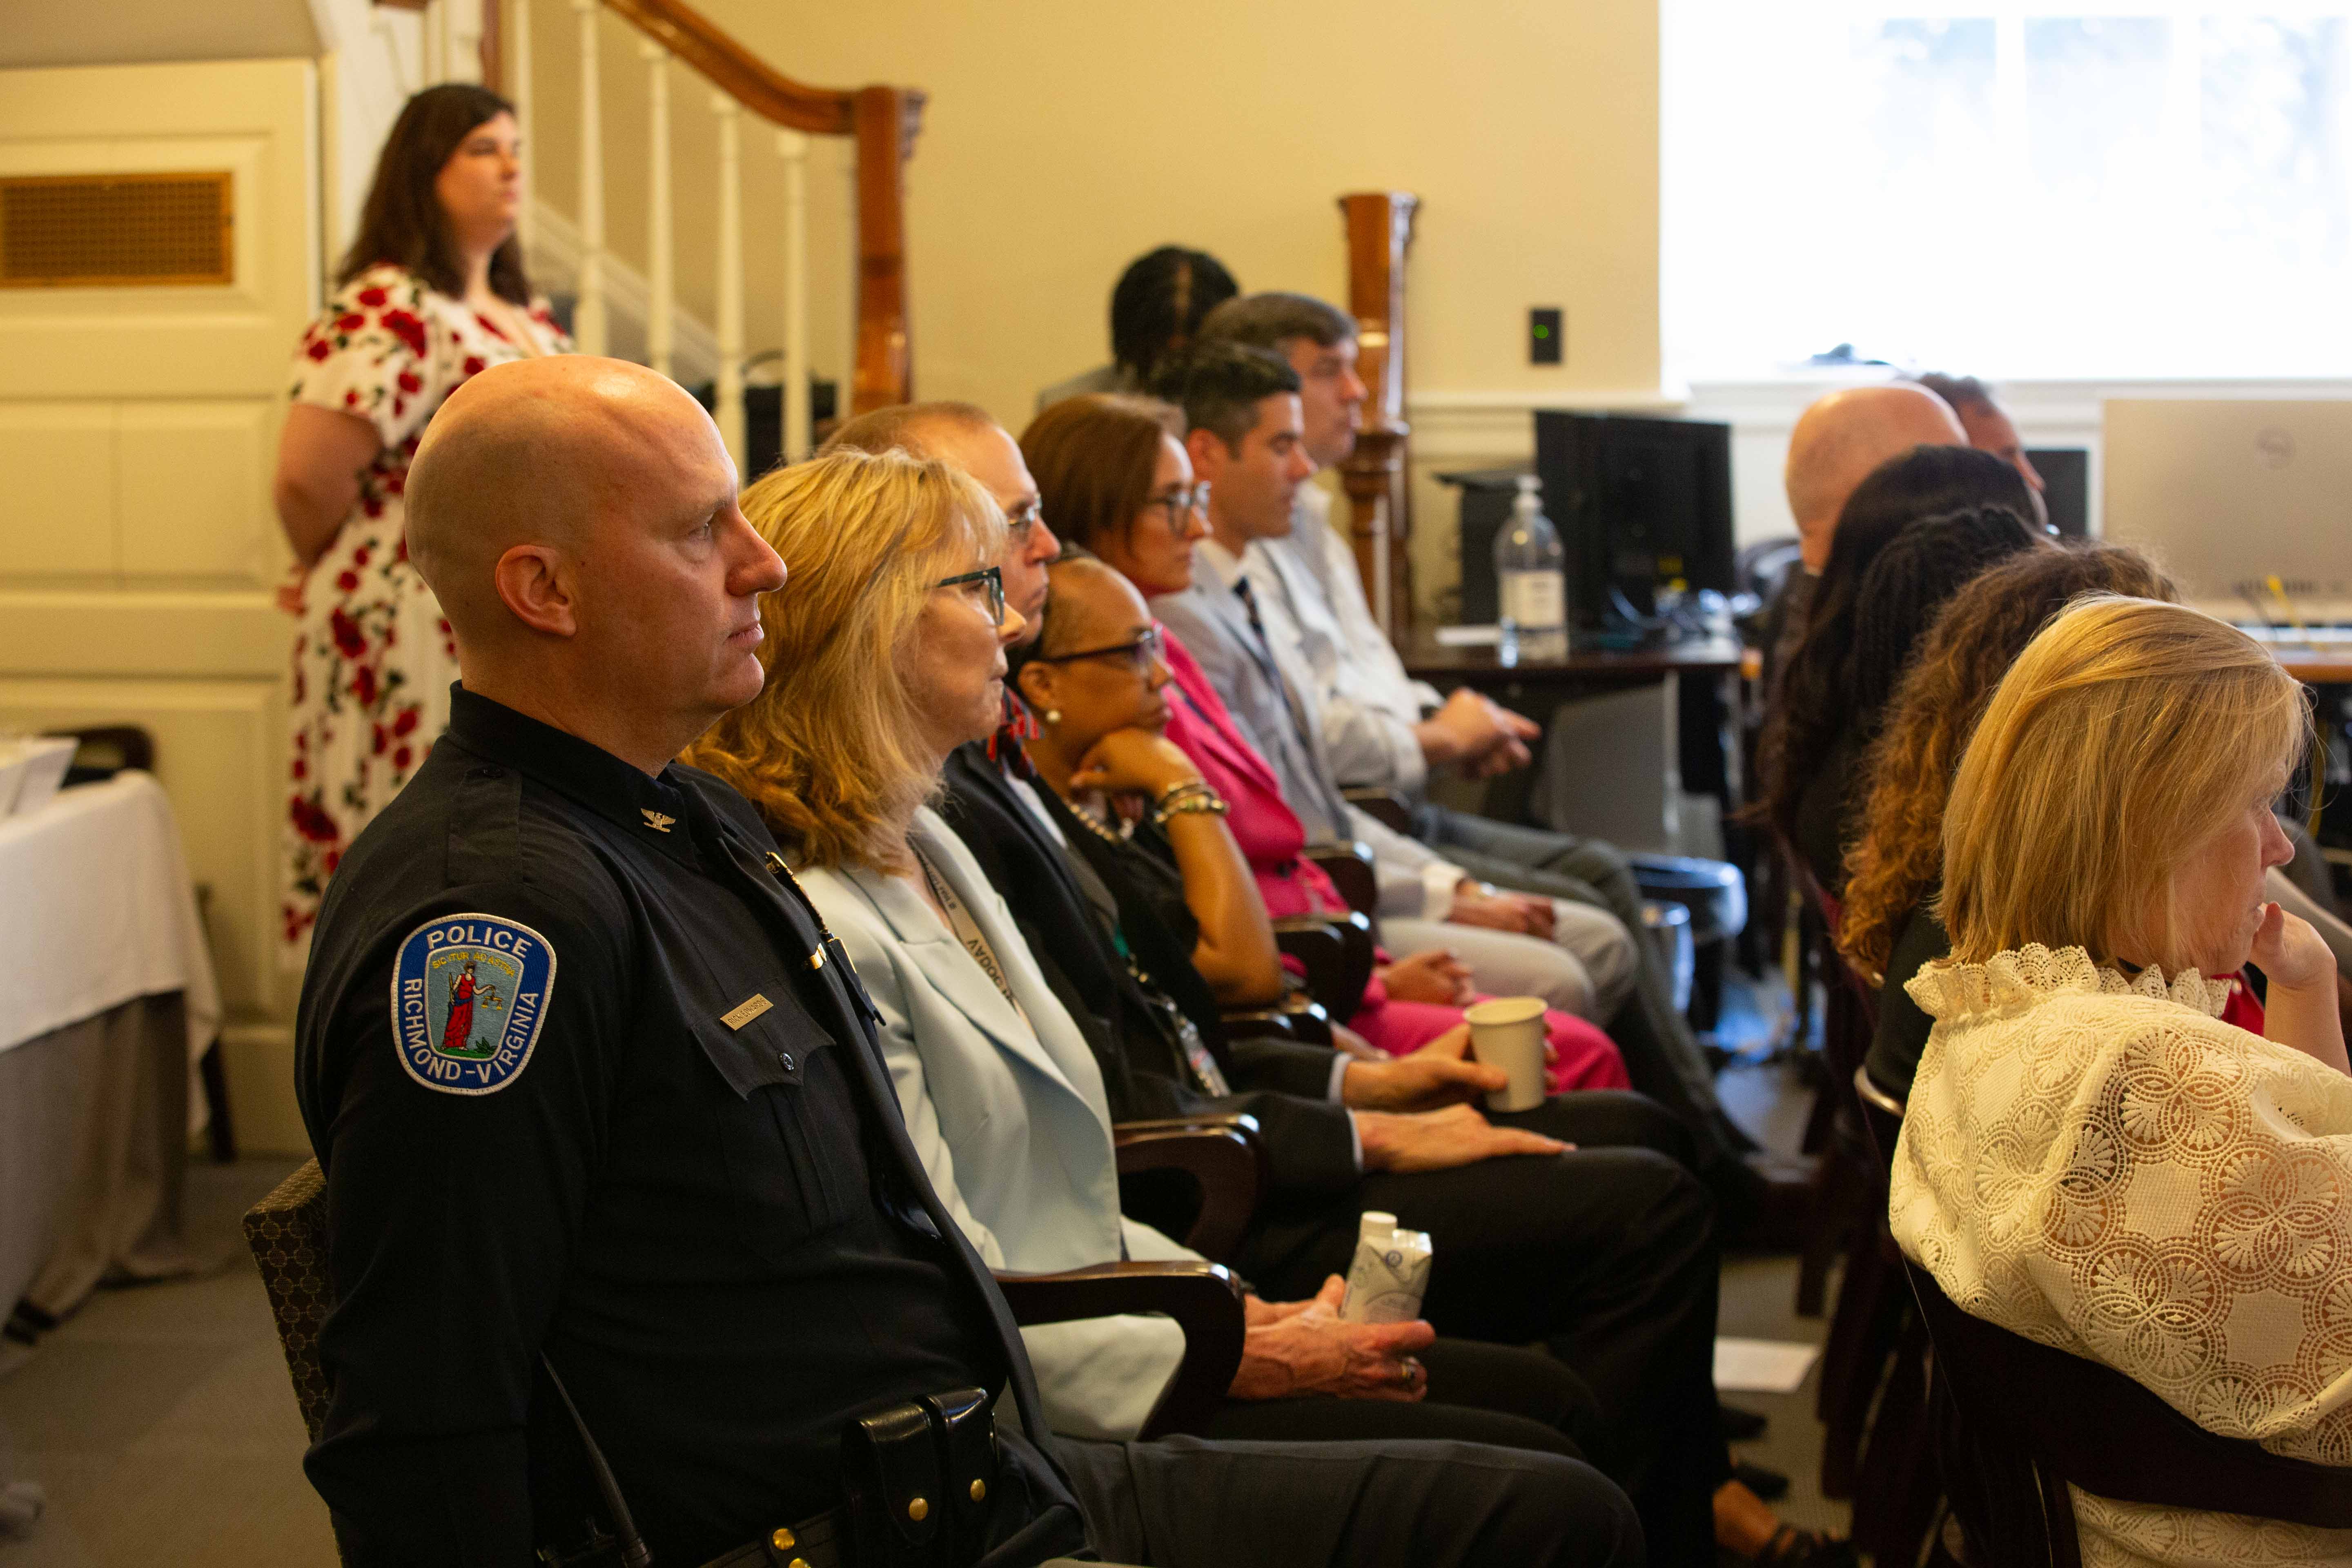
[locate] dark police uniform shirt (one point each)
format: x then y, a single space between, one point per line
586 1077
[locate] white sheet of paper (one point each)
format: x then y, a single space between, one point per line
1761 1366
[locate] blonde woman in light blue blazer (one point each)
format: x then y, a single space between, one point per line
886 652
1006 1108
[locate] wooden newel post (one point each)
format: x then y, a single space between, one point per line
887 119
1380 489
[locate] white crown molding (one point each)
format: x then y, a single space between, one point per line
554 259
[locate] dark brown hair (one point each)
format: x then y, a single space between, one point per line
1817 698
1093 458
402 222
1898 856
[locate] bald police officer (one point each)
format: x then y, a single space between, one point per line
598 1099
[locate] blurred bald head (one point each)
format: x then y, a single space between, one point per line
1843 437
967 436
576 519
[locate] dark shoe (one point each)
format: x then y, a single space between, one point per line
1739 1426
1769 1485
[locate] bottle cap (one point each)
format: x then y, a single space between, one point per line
1376 1226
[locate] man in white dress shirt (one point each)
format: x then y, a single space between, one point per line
1378 726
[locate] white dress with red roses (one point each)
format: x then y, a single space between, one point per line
373 660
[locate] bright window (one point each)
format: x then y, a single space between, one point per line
2082 190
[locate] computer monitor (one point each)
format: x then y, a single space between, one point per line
2066 486
1640 503
2227 493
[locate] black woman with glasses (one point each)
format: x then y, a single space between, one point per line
1101 750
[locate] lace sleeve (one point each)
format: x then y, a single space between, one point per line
2128 1179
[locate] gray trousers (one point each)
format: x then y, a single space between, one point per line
1180 1503
1662 1056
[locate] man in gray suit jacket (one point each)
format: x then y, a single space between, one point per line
1242 403
1246 444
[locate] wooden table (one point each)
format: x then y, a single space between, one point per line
2333 668
1483 668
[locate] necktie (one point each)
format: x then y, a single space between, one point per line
1248 598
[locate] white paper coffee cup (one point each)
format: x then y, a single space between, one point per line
1507 1031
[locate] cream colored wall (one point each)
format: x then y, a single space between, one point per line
1064 137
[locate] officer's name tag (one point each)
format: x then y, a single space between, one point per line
743 1013
469 994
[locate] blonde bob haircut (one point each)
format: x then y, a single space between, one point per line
2126 735
832 750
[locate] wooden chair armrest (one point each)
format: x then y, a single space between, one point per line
1386 807
1294 1019
1204 1298
1225 1156
1338 954
1349 867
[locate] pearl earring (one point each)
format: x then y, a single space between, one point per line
1053 715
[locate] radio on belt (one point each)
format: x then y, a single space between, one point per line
1391 1273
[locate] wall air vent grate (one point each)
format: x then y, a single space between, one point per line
98 231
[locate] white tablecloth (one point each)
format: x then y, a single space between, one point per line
96 908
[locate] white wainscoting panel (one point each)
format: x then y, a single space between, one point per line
194 491
56 490
138 547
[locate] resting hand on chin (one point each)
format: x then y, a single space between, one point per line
2300 1010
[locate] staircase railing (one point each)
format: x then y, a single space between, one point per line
883 121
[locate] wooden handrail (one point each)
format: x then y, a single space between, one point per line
884 120
736 72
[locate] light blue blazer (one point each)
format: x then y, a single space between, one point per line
1009 1116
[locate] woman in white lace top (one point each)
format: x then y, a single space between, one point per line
2090 1157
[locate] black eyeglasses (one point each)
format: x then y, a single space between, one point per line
1180 503
1141 654
989 578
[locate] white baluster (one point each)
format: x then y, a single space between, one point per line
660 279
461 38
588 316
794 148
518 91
435 26
729 410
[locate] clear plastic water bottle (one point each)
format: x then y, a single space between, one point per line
1530 583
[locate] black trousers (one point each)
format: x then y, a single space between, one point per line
1181 1502
1605 1255
1499 1394
1662 1056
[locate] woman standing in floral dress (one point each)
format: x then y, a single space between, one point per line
432 292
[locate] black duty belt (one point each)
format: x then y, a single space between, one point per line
917 1475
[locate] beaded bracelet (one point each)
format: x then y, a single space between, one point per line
1207 801
1177 792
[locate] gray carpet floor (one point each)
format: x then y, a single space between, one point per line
161 1421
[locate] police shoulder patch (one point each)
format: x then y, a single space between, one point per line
469 994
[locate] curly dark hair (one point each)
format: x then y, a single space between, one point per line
403 223
1897 857
1816 697
1160 302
